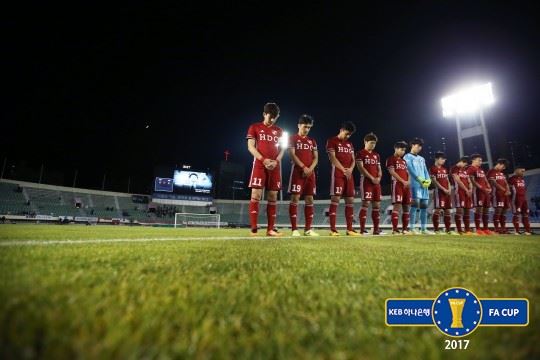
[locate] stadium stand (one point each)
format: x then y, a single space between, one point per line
30 200
12 201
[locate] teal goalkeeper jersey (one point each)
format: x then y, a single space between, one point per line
416 165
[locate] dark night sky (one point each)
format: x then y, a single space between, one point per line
81 82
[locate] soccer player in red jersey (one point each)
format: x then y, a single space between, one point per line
442 194
501 196
401 190
263 140
463 190
341 153
304 156
519 200
481 193
369 164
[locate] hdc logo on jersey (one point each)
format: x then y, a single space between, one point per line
343 149
268 137
302 146
457 312
442 175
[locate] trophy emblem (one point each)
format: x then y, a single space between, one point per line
456 307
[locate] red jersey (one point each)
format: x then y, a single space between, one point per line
399 166
461 172
266 139
441 175
370 160
344 151
303 148
479 175
517 184
498 177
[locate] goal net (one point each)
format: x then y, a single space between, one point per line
196 220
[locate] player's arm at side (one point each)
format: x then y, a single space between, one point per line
460 183
395 175
438 184
410 168
297 161
315 159
475 183
379 173
496 185
335 161
362 169
253 150
280 155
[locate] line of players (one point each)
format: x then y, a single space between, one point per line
465 187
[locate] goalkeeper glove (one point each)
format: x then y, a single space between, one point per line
426 183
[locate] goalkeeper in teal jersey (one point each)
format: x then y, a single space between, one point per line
420 181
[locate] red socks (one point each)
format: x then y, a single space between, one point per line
457 219
405 220
375 217
332 215
485 219
253 214
496 220
467 220
477 219
447 222
349 214
308 214
436 215
395 220
293 207
362 217
271 214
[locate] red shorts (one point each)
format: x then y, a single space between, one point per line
500 200
340 185
481 199
369 191
519 205
299 184
262 178
462 200
441 200
400 193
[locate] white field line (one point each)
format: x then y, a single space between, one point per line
134 240
126 240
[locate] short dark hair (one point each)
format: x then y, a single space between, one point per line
272 109
400 145
349 126
502 161
475 156
417 141
519 166
305 119
371 137
440 154
464 159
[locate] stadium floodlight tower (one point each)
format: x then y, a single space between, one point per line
470 101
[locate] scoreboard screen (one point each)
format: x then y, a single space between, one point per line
163 184
192 182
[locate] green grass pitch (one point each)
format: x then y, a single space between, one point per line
74 292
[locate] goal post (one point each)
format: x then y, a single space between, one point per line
197 220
